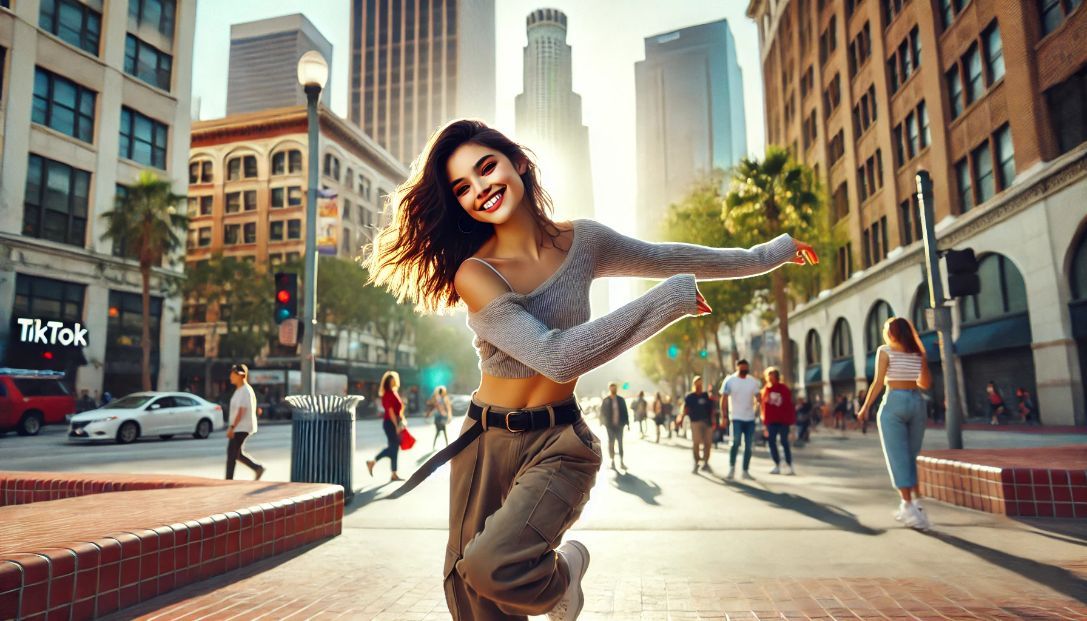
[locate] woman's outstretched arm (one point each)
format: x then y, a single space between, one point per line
619 255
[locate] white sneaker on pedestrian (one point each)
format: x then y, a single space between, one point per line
910 517
577 560
731 474
706 468
776 470
747 476
789 470
926 523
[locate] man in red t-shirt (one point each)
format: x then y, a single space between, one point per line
778 414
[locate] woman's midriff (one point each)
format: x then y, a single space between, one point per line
901 385
522 392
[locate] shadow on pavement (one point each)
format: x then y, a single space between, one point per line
828 514
425 456
1057 578
1068 531
631 484
363 498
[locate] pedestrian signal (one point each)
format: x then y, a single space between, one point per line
286 302
962 273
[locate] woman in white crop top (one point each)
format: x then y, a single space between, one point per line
472 225
902 368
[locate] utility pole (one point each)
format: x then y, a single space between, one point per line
941 312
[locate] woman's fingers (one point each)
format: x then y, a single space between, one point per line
805 254
703 306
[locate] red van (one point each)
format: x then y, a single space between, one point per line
30 399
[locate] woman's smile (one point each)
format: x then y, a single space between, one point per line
494 202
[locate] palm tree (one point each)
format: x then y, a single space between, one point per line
146 222
766 199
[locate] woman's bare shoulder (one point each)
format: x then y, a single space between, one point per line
477 284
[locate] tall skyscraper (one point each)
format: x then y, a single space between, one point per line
549 116
416 64
263 57
690 115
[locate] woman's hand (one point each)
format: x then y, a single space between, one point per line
805 254
862 416
703 307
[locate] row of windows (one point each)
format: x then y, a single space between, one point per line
966 82
905 61
875 242
48 298
864 113
870 176
912 135
238 202
860 48
976 176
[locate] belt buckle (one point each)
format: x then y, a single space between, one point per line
508 428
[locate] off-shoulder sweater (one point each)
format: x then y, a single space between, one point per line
546 331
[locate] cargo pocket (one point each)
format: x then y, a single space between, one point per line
554 510
586 437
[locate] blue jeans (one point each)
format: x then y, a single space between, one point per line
744 429
901 431
779 430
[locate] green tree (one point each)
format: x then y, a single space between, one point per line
146 222
765 199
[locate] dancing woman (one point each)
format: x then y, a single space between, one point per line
471 226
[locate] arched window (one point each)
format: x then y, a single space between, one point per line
241 167
813 349
200 171
841 343
288 162
1079 270
873 325
917 312
1002 291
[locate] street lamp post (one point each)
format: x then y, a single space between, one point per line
312 75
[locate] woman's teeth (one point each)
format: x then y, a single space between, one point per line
492 202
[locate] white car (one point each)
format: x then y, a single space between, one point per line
162 414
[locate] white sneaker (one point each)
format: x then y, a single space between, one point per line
577 560
776 470
747 476
789 470
926 524
731 474
910 517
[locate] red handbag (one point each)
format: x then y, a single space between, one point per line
406 439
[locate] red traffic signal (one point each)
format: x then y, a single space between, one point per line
286 301
283 296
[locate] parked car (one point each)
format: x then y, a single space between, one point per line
30 399
143 414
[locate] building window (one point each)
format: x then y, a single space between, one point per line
1067 104
906 60
200 205
836 148
349 179
974 84
286 197
192 346
994 52
954 91
147 63
143 139
287 162
860 48
983 172
200 172
74 22
241 167
294 229
1003 291
332 166
275 230
832 96
124 337
949 10
864 113
56 202
844 263
237 201
47 298
159 14
63 105
926 135
841 201
1005 155
364 188
203 237
966 192
841 343
828 40
909 221
346 211
1053 12
249 233
232 234
891 9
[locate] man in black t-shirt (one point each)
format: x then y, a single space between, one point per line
699 408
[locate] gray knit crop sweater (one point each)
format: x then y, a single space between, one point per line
547 331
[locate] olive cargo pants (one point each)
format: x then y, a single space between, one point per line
512 496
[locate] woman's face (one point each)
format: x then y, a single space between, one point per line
485 182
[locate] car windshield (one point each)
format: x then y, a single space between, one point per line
129 403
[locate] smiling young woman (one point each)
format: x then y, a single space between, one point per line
471 227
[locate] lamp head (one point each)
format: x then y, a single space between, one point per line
312 69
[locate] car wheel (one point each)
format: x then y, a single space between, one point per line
128 432
30 424
203 429
167 436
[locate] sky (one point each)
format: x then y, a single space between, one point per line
606 36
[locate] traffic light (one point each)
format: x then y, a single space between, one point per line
962 273
703 353
286 306
673 351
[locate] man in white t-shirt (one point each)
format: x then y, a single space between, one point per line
243 421
740 400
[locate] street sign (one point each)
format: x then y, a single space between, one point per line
288 332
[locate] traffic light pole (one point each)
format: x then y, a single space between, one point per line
309 298
941 312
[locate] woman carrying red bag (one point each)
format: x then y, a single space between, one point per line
393 422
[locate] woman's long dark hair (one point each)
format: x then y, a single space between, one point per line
901 330
429 235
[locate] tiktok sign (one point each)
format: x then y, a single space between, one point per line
38 332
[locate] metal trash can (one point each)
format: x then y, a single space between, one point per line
323 439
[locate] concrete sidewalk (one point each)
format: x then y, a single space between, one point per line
668 544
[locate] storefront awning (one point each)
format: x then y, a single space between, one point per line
842 369
1004 333
813 374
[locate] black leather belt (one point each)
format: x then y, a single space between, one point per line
514 421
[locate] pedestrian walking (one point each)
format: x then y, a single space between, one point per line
243 417
996 403
391 423
659 419
739 399
841 411
613 413
441 407
471 225
777 416
699 409
901 368
668 409
861 394
1028 412
803 421
640 407
85 403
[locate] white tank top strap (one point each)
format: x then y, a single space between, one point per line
493 269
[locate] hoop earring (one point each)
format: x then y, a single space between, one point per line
471 227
